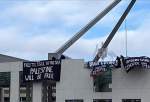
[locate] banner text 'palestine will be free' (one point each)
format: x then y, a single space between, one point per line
42 70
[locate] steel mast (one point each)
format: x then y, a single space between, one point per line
111 35
70 42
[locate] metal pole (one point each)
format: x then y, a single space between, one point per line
86 28
111 35
126 38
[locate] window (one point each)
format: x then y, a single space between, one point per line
131 100
102 100
4 79
5 86
6 99
103 81
74 100
22 99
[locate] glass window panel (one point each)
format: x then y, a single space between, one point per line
102 100
5 86
74 100
131 100
103 81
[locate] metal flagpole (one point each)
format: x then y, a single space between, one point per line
126 38
71 41
111 35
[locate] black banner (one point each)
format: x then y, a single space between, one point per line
103 66
98 67
127 62
135 62
41 70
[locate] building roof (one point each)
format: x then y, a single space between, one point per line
6 58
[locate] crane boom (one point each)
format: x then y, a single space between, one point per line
111 35
70 42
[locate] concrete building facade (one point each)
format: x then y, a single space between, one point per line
76 84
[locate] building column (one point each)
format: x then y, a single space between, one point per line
14 87
87 100
37 92
115 99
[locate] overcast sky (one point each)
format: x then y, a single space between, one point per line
30 29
